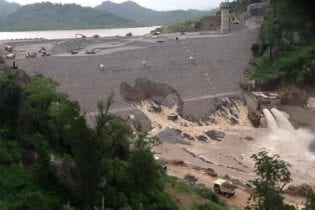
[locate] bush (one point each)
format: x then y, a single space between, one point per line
208 206
190 179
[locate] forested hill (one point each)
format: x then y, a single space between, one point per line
48 16
285 52
132 11
7 8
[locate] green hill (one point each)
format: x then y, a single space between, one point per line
48 16
132 11
286 48
7 8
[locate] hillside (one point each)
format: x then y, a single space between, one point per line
132 11
206 23
7 8
48 16
51 158
286 49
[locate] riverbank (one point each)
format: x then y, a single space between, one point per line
70 34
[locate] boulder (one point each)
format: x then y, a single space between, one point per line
215 135
171 135
178 162
311 103
211 172
137 120
169 100
249 138
172 117
188 136
145 89
155 108
202 138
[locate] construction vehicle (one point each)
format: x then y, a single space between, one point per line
90 52
80 36
224 187
8 48
10 56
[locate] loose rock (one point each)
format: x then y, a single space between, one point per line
202 138
171 135
215 135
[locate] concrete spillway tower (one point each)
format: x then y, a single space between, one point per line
225 17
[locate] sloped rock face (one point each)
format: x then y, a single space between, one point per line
145 89
226 106
254 112
136 119
295 97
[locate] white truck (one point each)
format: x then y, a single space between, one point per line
224 187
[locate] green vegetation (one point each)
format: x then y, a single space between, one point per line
197 196
273 175
131 11
7 8
48 16
206 23
310 203
240 6
291 65
287 45
51 159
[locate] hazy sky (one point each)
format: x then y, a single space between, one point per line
154 4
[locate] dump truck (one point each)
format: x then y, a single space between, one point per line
224 187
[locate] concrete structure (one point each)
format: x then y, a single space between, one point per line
225 17
220 62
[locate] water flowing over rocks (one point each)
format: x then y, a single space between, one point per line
292 144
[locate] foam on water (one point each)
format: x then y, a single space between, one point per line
291 144
271 122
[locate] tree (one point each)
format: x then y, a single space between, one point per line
273 175
87 156
310 203
10 100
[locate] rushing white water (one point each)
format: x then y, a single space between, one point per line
291 144
271 122
283 131
283 120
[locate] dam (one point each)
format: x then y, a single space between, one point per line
220 61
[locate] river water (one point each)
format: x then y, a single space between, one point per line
65 34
